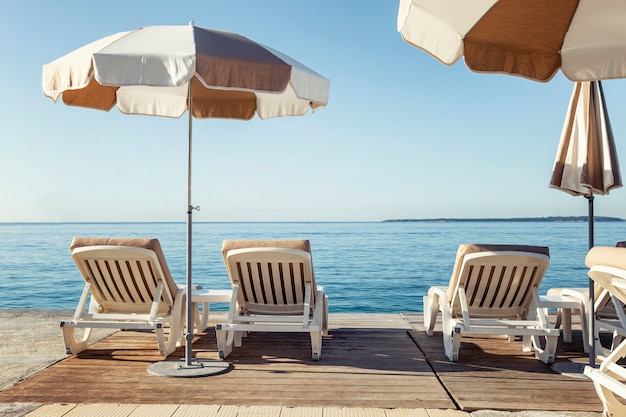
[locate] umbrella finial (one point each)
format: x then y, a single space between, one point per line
191 23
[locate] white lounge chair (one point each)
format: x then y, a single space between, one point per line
493 290
129 286
609 313
274 290
607 268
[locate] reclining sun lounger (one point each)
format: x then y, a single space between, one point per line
493 290
274 290
607 268
609 313
129 286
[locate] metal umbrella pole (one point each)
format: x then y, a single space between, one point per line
190 209
591 316
191 367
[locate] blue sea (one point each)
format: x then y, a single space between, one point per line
371 267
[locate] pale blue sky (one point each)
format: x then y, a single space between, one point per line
403 136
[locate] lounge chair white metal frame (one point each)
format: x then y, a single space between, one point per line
608 270
126 288
274 290
610 314
493 290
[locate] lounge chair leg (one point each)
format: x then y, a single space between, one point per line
316 345
617 340
161 341
559 318
174 339
200 318
431 308
167 346
325 316
566 315
224 341
452 343
546 354
71 345
176 328
236 338
527 343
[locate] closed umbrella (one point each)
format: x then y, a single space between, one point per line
586 161
534 39
170 70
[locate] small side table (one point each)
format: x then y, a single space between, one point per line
565 305
206 297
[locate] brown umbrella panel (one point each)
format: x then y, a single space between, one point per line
585 39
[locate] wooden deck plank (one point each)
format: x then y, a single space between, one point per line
368 363
375 364
494 373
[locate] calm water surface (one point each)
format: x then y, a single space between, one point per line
383 267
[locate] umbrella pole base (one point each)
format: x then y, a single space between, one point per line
570 369
178 368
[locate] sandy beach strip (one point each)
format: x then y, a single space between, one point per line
31 340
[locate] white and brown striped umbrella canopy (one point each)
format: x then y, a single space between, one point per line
586 39
586 161
148 71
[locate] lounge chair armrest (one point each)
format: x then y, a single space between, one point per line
306 313
615 386
80 308
233 305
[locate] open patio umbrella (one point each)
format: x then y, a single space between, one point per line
168 70
585 39
586 161
531 38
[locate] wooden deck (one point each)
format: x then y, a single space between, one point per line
368 361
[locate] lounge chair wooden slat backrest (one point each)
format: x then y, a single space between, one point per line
274 290
493 289
130 287
123 280
144 243
497 286
270 283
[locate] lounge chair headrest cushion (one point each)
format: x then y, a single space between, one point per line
145 243
606 255
228 245
466 249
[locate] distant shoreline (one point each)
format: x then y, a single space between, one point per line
433 220
514 219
